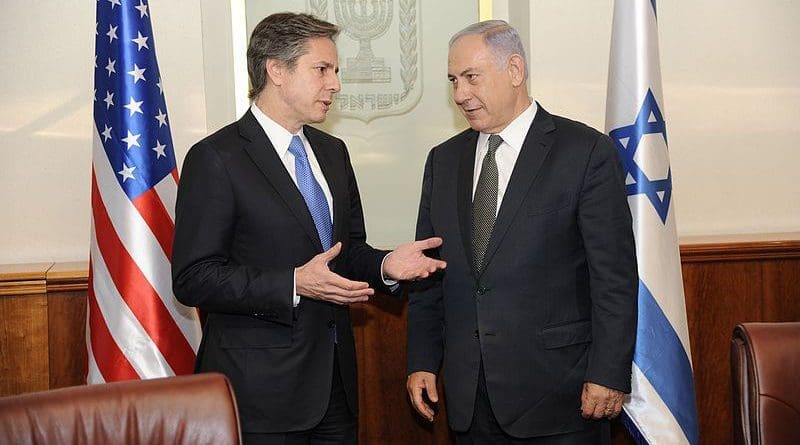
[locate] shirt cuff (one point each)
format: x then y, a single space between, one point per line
392 284
295 298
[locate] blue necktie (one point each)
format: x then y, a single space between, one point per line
312 193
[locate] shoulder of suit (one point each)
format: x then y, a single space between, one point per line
456 142
573 128
220 138
319 135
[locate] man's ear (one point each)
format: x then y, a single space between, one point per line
275 71
516 70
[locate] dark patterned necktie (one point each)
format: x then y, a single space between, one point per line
312 193
484 204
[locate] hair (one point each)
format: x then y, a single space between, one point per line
282 37
499 36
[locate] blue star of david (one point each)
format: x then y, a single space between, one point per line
643 185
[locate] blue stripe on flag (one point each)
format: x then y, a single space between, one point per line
663 360
637 436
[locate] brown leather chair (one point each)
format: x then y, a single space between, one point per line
191 410
765 366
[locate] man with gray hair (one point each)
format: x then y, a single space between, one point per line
270 244
533 323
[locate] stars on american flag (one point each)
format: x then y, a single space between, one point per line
137 73
134 106
112 33
132 140
109 100
141 41
142 8
159 149
126 172
161 118
128 48
106 133
110 67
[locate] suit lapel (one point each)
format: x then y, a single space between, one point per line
335 180
264 156
534 151
466 170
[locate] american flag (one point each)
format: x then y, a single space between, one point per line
135 328
662 407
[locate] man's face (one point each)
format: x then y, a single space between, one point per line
482 88
310 87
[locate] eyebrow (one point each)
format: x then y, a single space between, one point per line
327 65
462 73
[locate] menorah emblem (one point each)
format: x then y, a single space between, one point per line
363 25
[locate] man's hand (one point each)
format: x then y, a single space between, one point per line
315 280
598 401
422 383
408 262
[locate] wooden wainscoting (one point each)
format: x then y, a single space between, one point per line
727 280
42 326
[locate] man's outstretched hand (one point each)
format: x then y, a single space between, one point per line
315 280
408 261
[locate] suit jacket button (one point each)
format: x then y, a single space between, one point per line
475 334
482 290
331 323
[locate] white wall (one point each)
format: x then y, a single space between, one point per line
732 101
731 91
47 54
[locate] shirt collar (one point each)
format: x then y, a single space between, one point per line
514 134
279 136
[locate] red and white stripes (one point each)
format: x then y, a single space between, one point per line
136 329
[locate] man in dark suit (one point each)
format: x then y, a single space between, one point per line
533 323
270 243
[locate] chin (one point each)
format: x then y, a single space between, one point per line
318 119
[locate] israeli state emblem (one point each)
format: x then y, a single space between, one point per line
378 55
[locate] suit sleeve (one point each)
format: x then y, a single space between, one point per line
363 262
605 224
203 273
425 312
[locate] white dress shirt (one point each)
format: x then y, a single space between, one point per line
507 153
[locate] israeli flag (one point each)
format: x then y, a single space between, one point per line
661 408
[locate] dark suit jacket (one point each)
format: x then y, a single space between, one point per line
556 302
241 228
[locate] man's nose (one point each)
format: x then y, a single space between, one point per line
334 84
460 94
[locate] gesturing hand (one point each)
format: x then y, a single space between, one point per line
315 280
598 401
419 384
408 261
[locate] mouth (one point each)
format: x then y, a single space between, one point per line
326 104
469 111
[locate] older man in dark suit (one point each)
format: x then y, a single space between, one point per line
270 243
534 320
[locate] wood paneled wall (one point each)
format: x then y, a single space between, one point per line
727 280
42 326
730 280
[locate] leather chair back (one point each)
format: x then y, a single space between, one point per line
188 410
765 366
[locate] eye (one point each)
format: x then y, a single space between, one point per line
472 77
322 69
